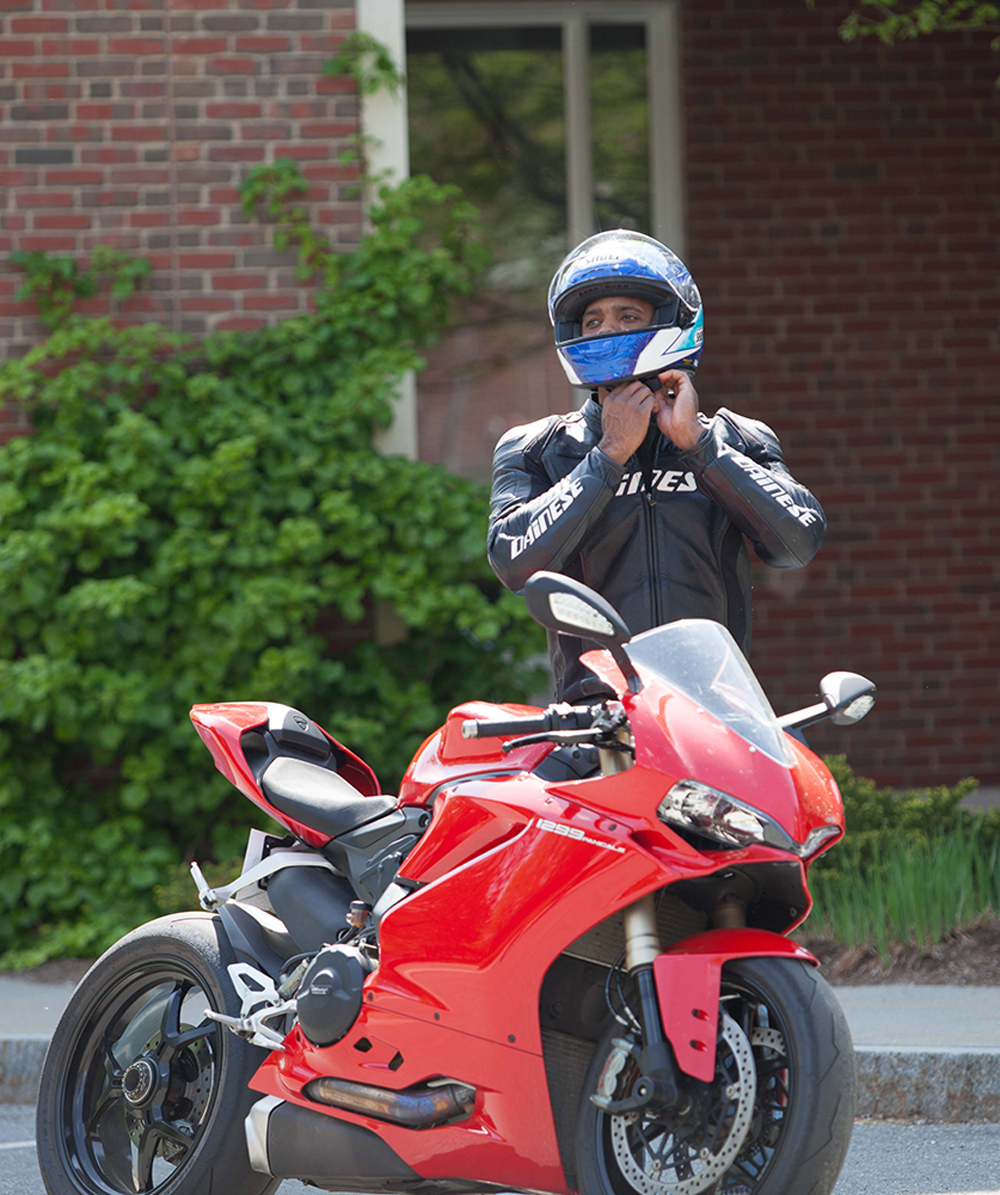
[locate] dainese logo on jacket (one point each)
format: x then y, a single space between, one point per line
665 481
542 522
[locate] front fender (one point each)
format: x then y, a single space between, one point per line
688 978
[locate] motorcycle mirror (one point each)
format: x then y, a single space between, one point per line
848 697
569 607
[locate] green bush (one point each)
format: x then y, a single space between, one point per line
915 893
875 816
200 523
912 867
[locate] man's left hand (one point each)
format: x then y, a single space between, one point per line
677 414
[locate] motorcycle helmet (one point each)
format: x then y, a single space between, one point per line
622 262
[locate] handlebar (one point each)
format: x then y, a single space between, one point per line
556 717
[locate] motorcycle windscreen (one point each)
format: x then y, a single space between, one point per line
700 659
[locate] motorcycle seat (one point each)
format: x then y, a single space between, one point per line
319 798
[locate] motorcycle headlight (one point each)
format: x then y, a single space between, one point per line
696 807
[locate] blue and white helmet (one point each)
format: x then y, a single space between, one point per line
622 262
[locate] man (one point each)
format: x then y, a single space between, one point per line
639 495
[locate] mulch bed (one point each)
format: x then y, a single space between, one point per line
970 957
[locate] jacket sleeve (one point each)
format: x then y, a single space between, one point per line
535 524
738 463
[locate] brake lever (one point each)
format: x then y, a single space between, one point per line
565 737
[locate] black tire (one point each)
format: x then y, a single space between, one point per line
804 1106
136 1021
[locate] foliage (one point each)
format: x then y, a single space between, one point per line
369 64
892 23
874 815
913 865
211 522
367 61
914 893
55 283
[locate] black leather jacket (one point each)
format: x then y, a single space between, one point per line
660 537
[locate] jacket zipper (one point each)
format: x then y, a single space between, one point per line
654 563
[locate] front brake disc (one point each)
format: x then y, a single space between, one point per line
660 1158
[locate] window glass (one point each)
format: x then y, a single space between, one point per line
619 124
486 111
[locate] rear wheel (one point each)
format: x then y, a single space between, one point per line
786 1131
140 1091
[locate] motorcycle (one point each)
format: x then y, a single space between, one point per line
557 960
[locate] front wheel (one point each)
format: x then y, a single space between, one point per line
140 1091
784 1130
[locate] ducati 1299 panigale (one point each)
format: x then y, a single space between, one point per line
558 960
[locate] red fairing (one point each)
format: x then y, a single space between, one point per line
688 980
446 755
221 726
800 797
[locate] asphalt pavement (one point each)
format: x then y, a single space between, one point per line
884 1159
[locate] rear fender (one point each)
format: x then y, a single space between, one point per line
688 978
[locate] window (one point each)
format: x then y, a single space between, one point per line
552 120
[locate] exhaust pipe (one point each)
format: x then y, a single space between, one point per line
291 1141
413 1108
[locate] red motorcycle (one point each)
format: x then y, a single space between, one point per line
558 960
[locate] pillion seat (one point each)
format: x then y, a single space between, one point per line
320 798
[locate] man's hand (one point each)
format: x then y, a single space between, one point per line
625 414
677 416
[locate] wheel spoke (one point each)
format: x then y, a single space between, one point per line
108 1133
143 1154
165 1130
141 1028
170 1026
112 1069
186 1038
108 1097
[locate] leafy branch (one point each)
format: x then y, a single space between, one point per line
55 283
887 22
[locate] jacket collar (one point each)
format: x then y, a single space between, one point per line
592 414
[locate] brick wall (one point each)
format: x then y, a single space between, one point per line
131 122
844 226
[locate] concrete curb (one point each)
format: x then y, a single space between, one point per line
946 1085
21 1057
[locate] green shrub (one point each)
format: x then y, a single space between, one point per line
915 893
191 524
912 867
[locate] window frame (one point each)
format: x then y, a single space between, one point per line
661 20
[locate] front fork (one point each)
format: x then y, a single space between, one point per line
659 1083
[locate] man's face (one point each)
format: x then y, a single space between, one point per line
616 313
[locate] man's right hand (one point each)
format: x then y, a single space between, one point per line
625 415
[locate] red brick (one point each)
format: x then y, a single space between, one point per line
239 281
40 70
207 303
139 132
270 303
233 66
261 44
38 24
45 199
137 47
64 220
206 261
200 45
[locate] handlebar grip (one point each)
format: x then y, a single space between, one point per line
535 724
